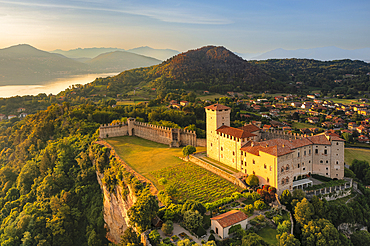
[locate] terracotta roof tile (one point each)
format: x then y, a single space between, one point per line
319 139
230 218
217 107
250 128
235 132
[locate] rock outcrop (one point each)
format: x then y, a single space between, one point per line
116 207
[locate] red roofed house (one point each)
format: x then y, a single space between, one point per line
223 222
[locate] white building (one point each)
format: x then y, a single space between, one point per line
223 222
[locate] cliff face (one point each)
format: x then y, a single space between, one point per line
116 207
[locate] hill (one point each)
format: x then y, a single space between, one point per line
85 52
321 53
118 61
160 54
26 63
208 68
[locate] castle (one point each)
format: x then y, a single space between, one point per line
171 136
276 158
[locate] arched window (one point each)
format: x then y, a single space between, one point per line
282 169
270 168
282 181
287 180
287 167
265 166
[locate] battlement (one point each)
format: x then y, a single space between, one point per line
272 134
159 134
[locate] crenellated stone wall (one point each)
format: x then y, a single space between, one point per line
272 134
172 136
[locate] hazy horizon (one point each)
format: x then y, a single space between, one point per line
241 26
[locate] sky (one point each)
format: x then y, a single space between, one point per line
245 26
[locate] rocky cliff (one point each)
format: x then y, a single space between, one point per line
116 207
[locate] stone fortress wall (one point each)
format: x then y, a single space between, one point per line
160 134
272 134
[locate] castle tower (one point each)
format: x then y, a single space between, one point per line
217 115
131 126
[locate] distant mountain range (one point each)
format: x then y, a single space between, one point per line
23 64
323 54
80 54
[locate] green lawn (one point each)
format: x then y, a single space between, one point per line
145 156
359 154
300 125
269 235
344 101
196 183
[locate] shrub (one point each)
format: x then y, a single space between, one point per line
201 231
252 180
260 205
211 238
261 218
277 219
167 227
167 240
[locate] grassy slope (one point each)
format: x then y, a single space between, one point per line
359 154
269 235
154 161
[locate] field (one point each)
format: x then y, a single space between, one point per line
344 101
360 154
210 97
154 161
196 183
301 125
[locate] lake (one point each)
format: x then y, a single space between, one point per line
53 86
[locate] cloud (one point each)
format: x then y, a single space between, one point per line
165 14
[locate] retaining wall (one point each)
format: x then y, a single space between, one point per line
201 142
217 171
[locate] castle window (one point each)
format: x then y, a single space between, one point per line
254 162
245 153
287 167
309 161
309 151
327 168
325 151
298 165
304 168
270 168
268 180
337 144
337 174
282 181
233 152
211 144
337 162
265 166
298 154
282 169
287 180
320 161
327 173
254 172
316 151
327 161
241 163
222 148
304 152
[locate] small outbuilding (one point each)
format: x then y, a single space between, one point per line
223 222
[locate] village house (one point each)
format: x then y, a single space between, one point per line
221 224
363 139
2 117
313 120
11 116
21 110
184 103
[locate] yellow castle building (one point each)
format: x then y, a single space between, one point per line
276 158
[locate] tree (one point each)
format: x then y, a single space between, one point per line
348 137
154 237
286 197
253 239
185 242
252 180
285 226
360 238
299 194
320 232
130 237
249 209
303 212
201 231
288 240
260 205
188 150
192 220
320 207
143 211
167 227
